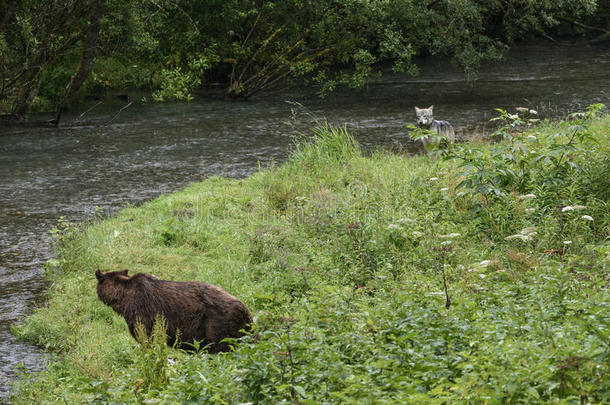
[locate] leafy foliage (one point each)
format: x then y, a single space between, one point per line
175 47
551 168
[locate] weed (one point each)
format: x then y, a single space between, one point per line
151 363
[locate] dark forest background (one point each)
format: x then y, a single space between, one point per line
54 51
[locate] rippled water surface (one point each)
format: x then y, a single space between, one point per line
107 161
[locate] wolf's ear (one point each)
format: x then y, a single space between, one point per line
417 109
98 274
431 108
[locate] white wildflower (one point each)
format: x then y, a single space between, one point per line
522 109
447 242
418 234
116 233
567 242
513 116
587 217
527 196
567 208
534 112
532 136
433 178
485 263
530 210
450 236
482 275
445 189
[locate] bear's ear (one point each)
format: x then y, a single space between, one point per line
121 277
98 274
124 271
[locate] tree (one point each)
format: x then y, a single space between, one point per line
38 34
56 48
258 45
90 40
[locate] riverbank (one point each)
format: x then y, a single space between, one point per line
343 260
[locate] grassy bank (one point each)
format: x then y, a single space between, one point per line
379 279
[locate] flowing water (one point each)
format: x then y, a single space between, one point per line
107 160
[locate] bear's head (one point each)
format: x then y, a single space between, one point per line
111 285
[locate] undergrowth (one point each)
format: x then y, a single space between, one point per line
478 278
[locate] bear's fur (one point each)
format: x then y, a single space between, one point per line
194 311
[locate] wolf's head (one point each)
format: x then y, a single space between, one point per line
425 116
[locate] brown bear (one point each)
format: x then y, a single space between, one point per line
194 311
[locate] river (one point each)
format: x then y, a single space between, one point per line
106 160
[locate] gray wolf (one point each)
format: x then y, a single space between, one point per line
425 120
193 311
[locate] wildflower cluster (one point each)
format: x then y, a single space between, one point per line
535 172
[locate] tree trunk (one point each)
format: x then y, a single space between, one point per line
30 81
90 45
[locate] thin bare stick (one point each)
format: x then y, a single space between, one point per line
117 114
83 114
447 299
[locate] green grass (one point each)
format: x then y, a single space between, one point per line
341 259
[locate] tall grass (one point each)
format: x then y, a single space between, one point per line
371 279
